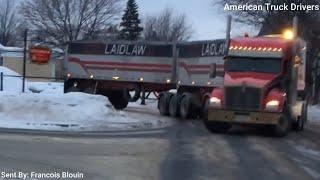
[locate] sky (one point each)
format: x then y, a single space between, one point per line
208 22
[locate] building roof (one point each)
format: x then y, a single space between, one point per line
14 52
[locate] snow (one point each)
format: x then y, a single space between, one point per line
314 114
11 84
45 107
65 112
45 87
4 48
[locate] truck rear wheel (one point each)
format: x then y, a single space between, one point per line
284 125
173 106
119 98
163 103
186 107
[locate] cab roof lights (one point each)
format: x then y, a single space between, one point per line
246 48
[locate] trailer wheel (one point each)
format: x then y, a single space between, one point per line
284 125
72 89
299 125
173 106
186 107
89 90
119 98
163 104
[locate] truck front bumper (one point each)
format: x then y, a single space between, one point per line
243 117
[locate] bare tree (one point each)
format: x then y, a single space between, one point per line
167 27
8 22
61 21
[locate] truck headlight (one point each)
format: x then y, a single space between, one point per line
272 105
215 102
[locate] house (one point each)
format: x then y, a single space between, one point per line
12 58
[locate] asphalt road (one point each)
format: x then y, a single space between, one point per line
185 150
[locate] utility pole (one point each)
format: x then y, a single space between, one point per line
24 60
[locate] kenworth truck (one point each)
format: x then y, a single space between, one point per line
264 84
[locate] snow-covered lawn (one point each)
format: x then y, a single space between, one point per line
45 107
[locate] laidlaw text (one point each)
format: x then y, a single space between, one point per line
125 49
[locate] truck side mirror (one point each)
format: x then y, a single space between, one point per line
213 70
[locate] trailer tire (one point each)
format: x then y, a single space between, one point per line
299 125
72 89
186 109
163 104
284 125
119 98
173 106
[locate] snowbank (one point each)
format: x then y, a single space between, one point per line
45 107
65 112
45 87
314 114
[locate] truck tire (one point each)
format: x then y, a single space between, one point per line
299 125
218 127
284 125
173 106
163 103
119 98
72 89
186 109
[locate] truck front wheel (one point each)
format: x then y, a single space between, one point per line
283 126
299 125
217 127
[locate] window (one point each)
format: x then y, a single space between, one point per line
263 65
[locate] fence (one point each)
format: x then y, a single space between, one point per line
23 70
23 86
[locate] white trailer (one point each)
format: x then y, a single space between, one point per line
115 68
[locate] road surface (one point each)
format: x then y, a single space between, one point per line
183 150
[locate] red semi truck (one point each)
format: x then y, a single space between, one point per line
264 84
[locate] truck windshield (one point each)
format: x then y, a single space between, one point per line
264 65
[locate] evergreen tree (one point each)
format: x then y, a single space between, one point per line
130 25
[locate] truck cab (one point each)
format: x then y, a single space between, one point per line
263 77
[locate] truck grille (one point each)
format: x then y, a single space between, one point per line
242 98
